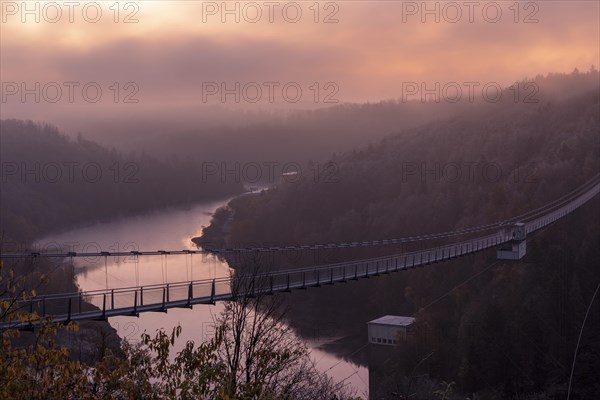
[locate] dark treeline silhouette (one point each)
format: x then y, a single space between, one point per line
493 162
508 332
51 182
278 136
304 135
297 136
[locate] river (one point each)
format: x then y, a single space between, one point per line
169 230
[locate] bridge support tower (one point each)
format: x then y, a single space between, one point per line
516 247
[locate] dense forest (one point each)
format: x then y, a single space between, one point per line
51 182
501 329
485 329
497 160
276 136
303 135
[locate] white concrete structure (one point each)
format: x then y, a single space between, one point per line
388 330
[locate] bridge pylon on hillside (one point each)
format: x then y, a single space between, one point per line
516 247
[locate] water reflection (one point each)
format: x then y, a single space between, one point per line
167 230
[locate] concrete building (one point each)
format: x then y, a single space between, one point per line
389 329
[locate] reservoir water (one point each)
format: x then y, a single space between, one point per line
169 230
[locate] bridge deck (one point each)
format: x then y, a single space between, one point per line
161 297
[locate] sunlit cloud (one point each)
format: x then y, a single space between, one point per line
170 48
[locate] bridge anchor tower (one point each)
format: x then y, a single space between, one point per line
516 247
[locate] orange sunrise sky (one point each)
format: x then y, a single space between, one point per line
367 48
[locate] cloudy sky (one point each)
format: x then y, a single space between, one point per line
178 54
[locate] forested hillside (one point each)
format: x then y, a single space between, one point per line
495 161
302 135
50 182
501 330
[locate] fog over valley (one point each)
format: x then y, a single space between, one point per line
299 200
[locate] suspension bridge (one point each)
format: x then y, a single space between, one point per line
110 302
